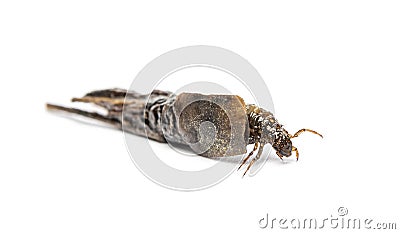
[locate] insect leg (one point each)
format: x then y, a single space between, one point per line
305 130
255 158
279 155
248 156
297 152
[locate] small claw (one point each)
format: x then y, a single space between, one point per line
245 172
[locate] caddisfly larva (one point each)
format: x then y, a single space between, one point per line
167 117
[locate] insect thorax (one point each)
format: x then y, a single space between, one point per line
264 127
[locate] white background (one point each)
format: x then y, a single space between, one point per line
330 65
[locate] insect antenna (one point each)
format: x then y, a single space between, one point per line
304 130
